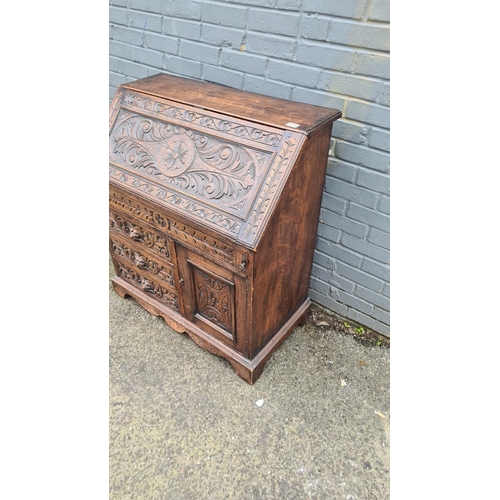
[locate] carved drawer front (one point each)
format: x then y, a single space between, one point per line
137 257
210 294
136 213
140 235
146 283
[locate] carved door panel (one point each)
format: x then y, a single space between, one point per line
211 296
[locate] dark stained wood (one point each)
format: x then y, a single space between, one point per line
246 105
213 211
283 258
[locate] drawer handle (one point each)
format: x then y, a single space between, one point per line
147 286
136 234
142 263
243 265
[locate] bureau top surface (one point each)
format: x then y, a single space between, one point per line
249 106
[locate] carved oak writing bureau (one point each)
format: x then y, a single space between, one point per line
214 199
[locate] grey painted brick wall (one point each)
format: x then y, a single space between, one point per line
332 53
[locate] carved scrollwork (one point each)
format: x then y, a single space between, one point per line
142 262
180 232
269 189
186 159
206 214
138 234
259 135
137 209
162 294
213 300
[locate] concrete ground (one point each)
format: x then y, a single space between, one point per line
183 425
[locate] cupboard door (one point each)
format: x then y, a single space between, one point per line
211 294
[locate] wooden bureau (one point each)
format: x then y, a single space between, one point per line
214 199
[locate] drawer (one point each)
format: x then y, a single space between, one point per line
141 236
129 254
204 244
142 222
149 284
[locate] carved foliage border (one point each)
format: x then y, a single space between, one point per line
138 210
214 300
139 235
230 224
146 285
143 262
178 230
273 181
258 135
115 107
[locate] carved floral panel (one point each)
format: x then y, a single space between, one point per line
221 171
210 169
214 299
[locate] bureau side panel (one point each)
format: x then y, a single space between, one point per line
283 259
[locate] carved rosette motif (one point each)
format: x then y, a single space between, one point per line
142 262
213 299
164 295
177 155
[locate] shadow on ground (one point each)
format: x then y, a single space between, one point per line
183 425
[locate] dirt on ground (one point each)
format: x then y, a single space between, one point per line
325 320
